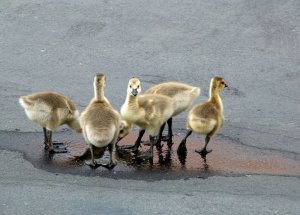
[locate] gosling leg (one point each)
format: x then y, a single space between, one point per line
48 142
45 138
148 154
111 164
54 148
157 140
203 152
168 138
92 163
134 147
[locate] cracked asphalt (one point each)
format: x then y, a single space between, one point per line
60 45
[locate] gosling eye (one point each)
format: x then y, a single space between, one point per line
138 86
222 82
121 132
130 86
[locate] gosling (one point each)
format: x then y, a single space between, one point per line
207 117
183 94
100 123
149 112
50 110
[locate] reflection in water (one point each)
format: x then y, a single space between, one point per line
182 154
205 165
227 158
165 161
48 157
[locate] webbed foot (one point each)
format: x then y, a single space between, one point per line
148 143
166 138
57 150
56 143
127 148
55 147
145 155
93 165
110 165
203 152
152 143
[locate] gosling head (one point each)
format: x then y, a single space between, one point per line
125 128
134 87
99 80
217 83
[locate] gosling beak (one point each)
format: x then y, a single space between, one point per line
226 85
134 92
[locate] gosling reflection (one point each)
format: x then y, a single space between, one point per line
182 154
165 161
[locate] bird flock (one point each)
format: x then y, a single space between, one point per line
102 126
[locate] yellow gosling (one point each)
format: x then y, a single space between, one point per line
149 112
50 110
207 117
100 123
182 94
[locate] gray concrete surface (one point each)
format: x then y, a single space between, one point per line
60 45
27 190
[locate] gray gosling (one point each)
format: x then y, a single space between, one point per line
183 94
207 117
149 112
50 110
100 123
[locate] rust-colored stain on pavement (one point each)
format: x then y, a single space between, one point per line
227 158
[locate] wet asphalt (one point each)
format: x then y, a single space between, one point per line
60 45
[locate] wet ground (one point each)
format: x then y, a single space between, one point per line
229 158
60 45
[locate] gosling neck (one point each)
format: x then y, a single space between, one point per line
132 101
215 98
99 93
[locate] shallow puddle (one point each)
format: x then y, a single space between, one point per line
227 158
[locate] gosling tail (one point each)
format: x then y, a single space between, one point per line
25 102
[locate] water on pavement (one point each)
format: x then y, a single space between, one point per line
227 158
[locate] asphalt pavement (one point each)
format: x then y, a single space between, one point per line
60 45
